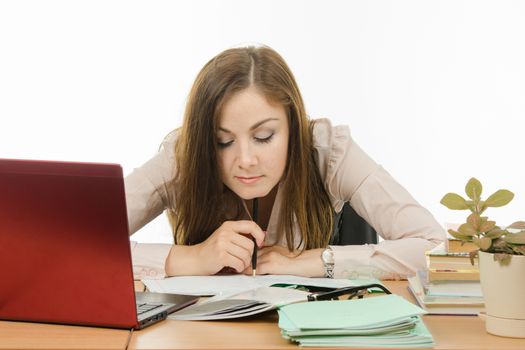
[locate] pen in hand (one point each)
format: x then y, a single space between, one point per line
254 254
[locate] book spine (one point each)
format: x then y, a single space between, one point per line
452 275
452 266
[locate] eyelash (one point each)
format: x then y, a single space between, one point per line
259 140
224 145
264 139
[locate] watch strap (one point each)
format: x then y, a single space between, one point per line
328 262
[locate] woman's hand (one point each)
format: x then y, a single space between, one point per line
278 260
229 245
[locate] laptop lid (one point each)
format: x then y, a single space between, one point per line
64 244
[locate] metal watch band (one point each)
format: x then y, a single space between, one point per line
328 262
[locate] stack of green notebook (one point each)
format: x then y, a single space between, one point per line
383 321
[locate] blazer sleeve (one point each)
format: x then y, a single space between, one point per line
408 229
147 188
148 194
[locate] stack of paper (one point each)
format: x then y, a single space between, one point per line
383 321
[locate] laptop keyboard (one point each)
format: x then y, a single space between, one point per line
142 308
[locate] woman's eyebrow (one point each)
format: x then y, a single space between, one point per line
253 127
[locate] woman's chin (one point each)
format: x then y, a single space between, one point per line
251 194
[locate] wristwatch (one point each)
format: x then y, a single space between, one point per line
328 262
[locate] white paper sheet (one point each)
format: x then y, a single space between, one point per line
229 284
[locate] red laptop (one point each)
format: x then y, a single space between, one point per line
64 247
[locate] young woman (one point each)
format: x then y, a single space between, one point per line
246 135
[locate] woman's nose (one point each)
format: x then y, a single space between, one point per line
247 156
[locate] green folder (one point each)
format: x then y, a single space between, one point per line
382 321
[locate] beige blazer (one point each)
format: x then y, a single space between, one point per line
407 229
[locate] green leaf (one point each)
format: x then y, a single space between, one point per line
474 220
459 236
467 230
481 206
454 201
518 225
473 189
487 226
519 249
515 238
500 245
495 232
499 198
483 243
503 258
471 205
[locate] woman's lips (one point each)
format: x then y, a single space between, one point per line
248 180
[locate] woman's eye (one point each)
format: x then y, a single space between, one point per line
264 139
224 144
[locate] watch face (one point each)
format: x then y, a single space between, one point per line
328 256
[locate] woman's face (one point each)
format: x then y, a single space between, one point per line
252 142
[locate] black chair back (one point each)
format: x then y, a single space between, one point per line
353 229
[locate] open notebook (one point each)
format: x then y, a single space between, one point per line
238 296
242 304
233 284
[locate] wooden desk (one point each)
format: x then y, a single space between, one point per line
450 332
257 332
25 335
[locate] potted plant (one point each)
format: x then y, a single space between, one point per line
501 258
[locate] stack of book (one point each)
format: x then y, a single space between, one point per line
450 285
451 266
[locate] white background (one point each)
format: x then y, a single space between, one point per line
434 91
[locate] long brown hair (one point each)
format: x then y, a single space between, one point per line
202 202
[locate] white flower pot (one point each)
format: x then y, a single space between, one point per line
504 294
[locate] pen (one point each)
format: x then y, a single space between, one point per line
254 254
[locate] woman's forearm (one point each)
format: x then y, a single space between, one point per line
310 263
182 260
